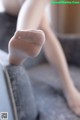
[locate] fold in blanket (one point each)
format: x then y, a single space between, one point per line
23 93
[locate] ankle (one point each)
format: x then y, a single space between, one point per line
14 61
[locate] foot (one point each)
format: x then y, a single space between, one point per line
25 44
73 98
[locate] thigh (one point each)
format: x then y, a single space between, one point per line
12 6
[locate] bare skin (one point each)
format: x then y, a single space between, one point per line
26 20
53 47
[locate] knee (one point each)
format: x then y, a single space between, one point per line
11 6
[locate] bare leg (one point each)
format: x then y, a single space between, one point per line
16 47
54 54
30 14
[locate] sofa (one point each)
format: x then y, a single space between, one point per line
39 81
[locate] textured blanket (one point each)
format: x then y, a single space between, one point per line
37 92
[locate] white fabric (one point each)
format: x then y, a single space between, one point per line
3 58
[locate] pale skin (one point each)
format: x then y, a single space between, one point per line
31 17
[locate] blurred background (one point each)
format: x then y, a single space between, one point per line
7 27
1 7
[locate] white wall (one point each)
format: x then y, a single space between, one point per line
1 7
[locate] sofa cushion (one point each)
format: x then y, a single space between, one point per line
43 83
49 96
